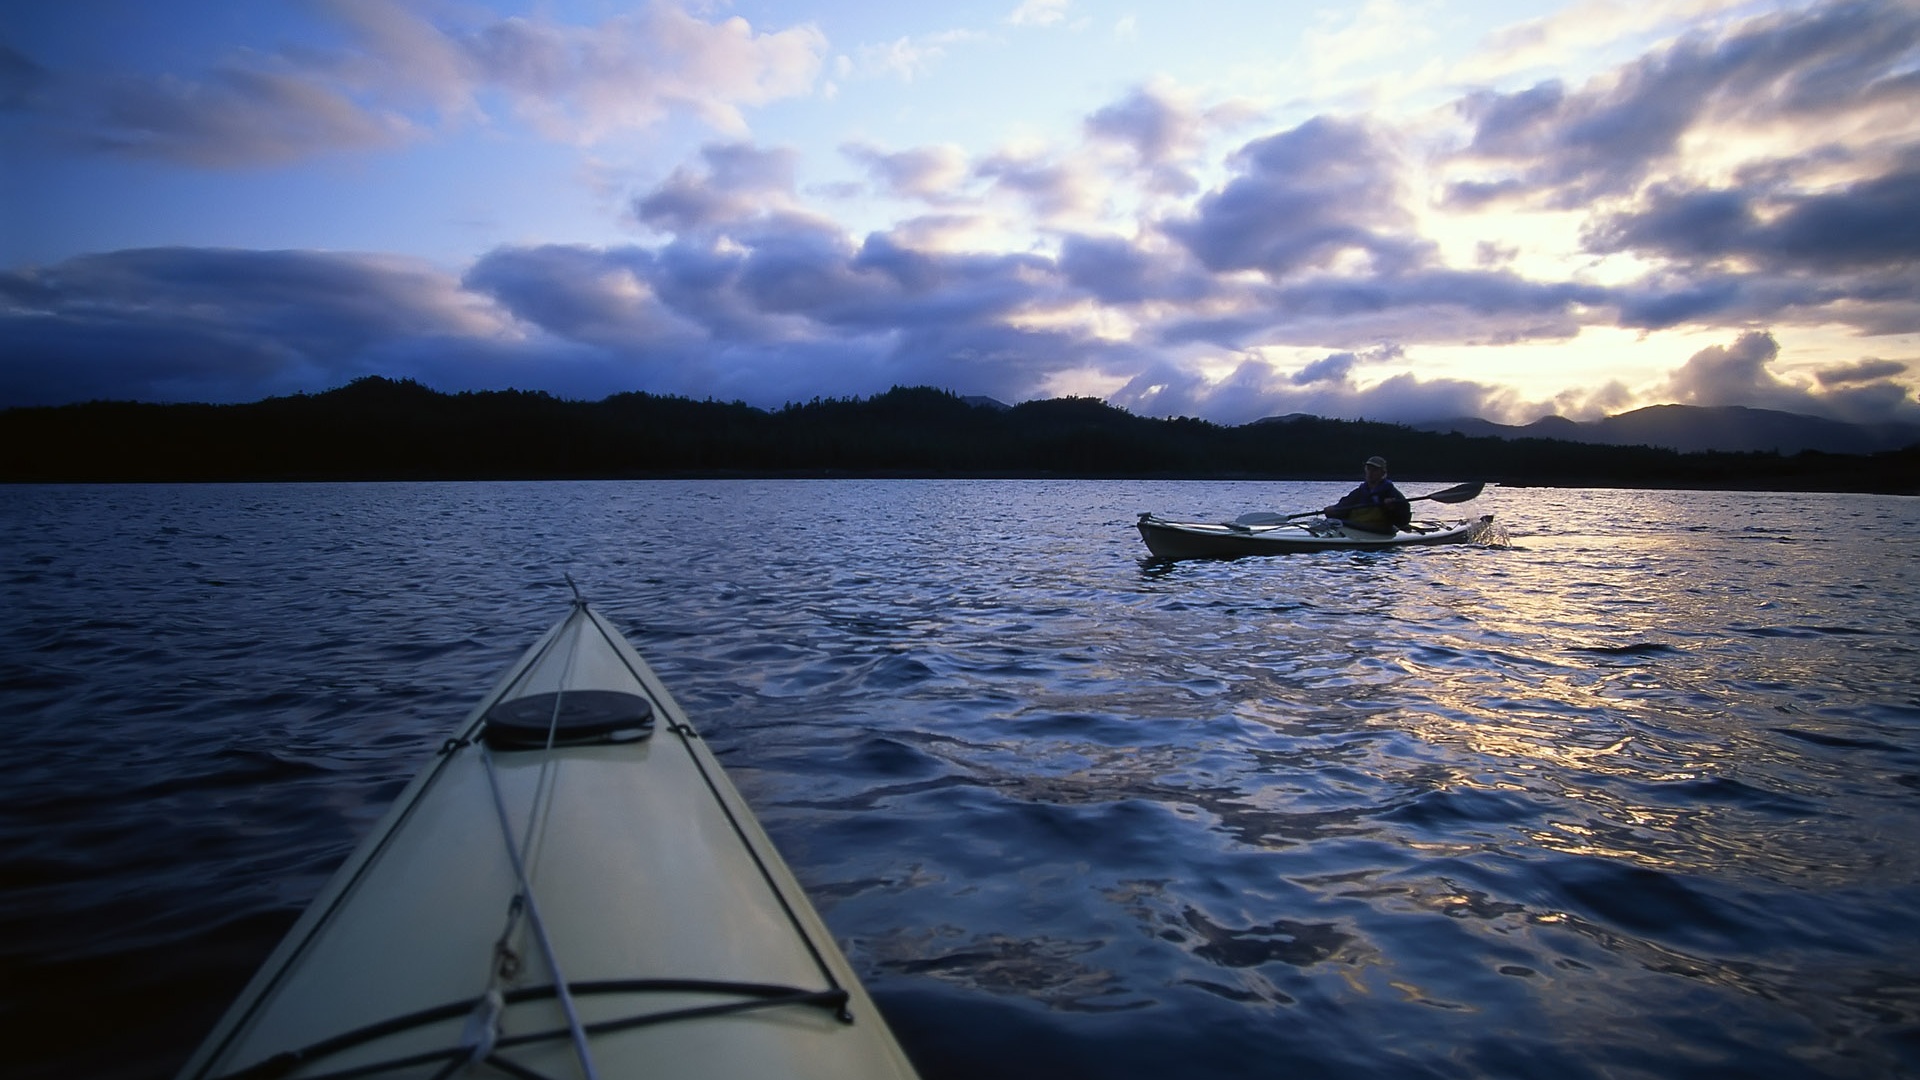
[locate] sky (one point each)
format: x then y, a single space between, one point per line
1398 210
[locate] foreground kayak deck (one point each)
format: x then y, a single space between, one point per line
1168 539
683 944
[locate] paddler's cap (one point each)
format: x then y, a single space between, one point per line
1377 462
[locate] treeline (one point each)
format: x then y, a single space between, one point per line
379 429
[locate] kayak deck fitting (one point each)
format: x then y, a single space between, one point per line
570 888
1169 539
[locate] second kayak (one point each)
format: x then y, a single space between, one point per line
1168 539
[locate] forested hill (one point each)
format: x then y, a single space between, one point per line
377 429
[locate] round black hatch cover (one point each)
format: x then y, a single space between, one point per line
585 716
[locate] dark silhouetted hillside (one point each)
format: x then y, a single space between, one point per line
378 429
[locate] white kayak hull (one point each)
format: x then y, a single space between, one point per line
1168 539
657 911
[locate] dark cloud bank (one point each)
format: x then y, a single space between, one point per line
746 294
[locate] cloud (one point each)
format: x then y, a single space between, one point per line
580 294
1861 371
199 324
1164 132
1304 199
584 83
931 173
1872 224
1120 272
787 301
1572 149
587 82
1809 212
1053 189
395 54
1566 148
906 58
1152 121
1726 257
1429 306
401 75
1578 29
1731 375
1741 374
741 183
1373 31
1258 388
1584 404
237 117
1336 368
1040 13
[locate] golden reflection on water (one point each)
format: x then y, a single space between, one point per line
1607 695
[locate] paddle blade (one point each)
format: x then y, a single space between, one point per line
1459 493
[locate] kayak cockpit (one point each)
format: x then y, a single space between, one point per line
575 690
567 718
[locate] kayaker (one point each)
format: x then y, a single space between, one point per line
1376 505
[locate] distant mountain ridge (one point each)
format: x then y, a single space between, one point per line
380 429
1696 428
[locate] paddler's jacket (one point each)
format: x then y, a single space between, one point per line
1377 507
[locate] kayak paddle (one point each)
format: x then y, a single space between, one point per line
1458 493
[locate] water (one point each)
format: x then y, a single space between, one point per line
1635 796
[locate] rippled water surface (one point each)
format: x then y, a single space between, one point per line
1638 795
